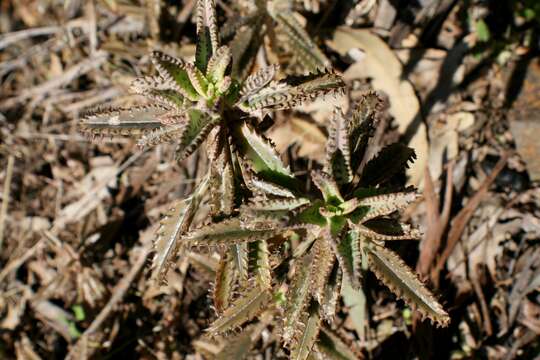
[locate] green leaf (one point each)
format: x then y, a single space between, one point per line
350 257
218 65
328 187
312 215
263 158
394 273
482 31
174 71
207 33
355 300
197 125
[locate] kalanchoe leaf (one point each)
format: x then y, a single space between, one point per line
333 347
306 52
257 81
218 65
158 89
323 260
207 33
260 263
350 257
332 289
388 162
386 204
175 224
297 298
222 173
134 121
387 229
362 121
198 80
263 158
162 135
327 186
271 209
244 46
306 335
231 231
174 71
394 273
312 215
243 309
197 126
338 155
294 92
223 285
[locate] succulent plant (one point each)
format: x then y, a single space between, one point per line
255 200
346 224
202 101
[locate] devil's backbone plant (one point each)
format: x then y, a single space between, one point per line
347 223
194 102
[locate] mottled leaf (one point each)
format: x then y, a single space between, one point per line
207 33
134 121
197 126
327 186
243 309
306 52
230 231
174 71
394 273
223 286
386 204
306 335
321 266
338 161
297 298
260 263
170 238
218 64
